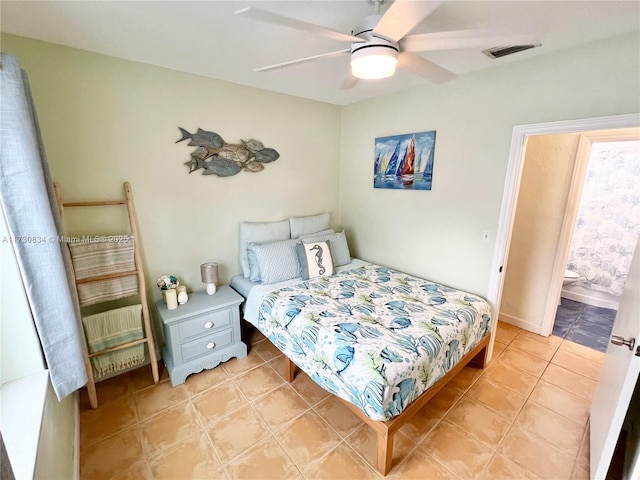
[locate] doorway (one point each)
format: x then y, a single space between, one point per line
521 136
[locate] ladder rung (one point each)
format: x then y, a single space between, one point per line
119 347
94 204
110 276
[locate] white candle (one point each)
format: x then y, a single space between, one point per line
172 299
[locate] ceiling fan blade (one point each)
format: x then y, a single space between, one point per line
423 67
274 18
402 16
302 60
349 82
459 39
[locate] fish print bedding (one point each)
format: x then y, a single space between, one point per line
373 336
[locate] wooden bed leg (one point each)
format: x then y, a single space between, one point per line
480 360
385 452
289 370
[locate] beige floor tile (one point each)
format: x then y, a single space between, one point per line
582 351
106 390
217 402
479 421
169 427
550 340
199 382
422 423
446 443
140 471
581 472
505 335
280 407
116 454
577 364
236 367
106 420
338 415
465 378
531 345
535 455
258 381
570 381
523 361
506 403
266 350
554 429
516 380
444 400
142 377
153 400
364 441
419 465
308 389
502 469
192 458
236 433
562 402
307 438
498 348
278 365
264 461
341 462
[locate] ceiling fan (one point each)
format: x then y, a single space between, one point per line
379 43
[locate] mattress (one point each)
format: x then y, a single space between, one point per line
376 337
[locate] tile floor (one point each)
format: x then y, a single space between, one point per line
584 324
523 417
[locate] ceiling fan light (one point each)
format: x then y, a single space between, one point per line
374 63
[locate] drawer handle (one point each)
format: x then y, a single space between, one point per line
210 345
208 325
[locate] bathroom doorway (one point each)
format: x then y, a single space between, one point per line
536 289
602 223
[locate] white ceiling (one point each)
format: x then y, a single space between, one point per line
206 38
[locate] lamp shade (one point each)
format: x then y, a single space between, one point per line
374 62
209 272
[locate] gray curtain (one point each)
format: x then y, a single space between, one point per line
28 203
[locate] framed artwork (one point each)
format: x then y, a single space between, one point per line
404 161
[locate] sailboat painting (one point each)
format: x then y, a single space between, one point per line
404 161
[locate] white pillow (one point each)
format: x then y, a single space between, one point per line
337 243
308 224
315 259
276 261
260 232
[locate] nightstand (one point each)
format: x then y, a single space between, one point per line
201 333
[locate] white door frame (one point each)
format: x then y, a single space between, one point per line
512 185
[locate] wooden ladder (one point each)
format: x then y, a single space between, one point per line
148 333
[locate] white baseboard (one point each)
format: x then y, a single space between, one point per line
519 322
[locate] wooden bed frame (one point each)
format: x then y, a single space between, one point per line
385 430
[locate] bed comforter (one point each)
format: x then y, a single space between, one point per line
373 336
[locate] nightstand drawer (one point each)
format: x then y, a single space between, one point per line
206 345
207 322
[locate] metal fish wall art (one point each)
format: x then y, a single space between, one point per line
216 157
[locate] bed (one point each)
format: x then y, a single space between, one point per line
383 341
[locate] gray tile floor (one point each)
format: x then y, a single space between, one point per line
584 324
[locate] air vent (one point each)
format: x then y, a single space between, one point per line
497 52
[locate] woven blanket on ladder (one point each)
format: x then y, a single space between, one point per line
110 329
96 257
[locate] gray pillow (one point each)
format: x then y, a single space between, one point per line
276 261
337 243
308 224
260 232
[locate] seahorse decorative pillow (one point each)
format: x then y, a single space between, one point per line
315 259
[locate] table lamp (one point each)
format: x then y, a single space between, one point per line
209 275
